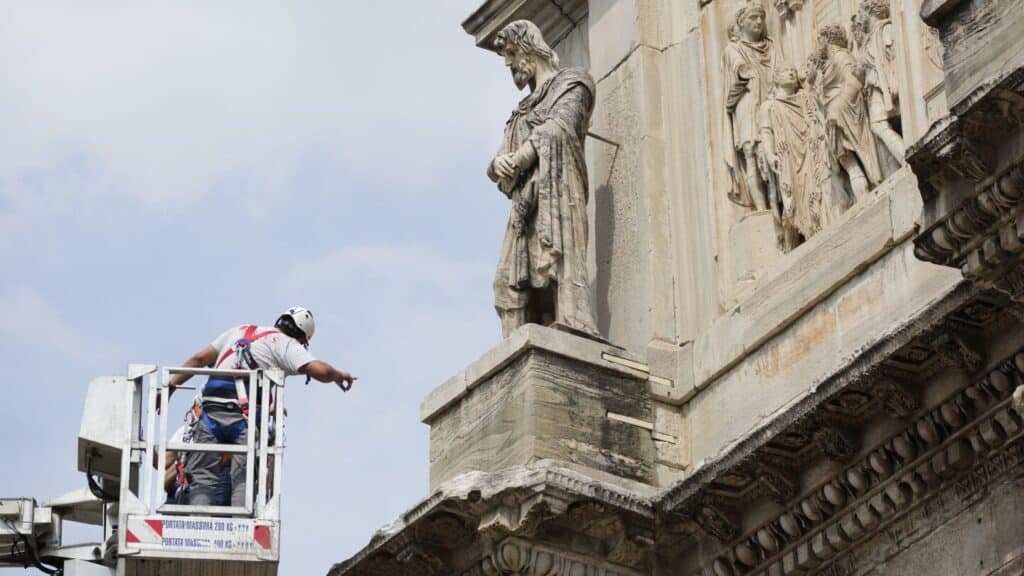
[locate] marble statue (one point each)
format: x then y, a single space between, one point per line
848 128
792 153
748 62
542 271
879 59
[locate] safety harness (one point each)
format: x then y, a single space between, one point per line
220 390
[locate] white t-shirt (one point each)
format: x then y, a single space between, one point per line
275 350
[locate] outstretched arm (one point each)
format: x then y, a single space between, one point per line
324 372
200 359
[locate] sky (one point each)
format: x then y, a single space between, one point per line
171 169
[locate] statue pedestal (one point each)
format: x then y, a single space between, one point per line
542 461
544 394
753 251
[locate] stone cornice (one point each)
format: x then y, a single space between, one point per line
498 505
815 519
556 18
971 172
971 426
984 234
933 10
928 332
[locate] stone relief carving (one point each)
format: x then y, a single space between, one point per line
748 64
542 272
793 156
806 146
879 59
516 556
788 7
939 450
848 128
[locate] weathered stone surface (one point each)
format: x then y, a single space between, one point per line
845 408
542 274
671 370
812 272
556 19
458 528
982 42
544 405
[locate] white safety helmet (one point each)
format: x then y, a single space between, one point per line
302 319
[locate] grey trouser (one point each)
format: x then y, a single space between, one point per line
205 467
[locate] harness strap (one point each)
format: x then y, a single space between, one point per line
250 336
224 433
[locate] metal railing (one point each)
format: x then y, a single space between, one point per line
263 458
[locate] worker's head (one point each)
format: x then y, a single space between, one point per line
297 322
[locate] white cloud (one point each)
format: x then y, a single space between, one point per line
32 322
169 99
403 317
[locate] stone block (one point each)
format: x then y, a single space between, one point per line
529 336
689 181
547 395
622 280
718 347
888 296
671 439
905 204
614 24
442 396
982 43
671 372
753 244
852 246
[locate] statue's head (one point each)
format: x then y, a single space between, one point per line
524 48
750 22
859 26
876 8
833 35
786 76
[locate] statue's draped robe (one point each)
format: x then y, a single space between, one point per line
742 104
546 238
843 96
804 176
879 68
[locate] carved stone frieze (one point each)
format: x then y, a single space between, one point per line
834 444
895 398
707 513
982 232
778 484
434 536
944 444
515 556
969 165
955 351
811 118
616 537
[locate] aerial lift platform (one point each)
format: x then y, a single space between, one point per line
121 437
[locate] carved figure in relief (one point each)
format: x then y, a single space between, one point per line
792 152
785 7
542 273
847 124
879 58
748 64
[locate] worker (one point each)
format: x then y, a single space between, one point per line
225 403
176 480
